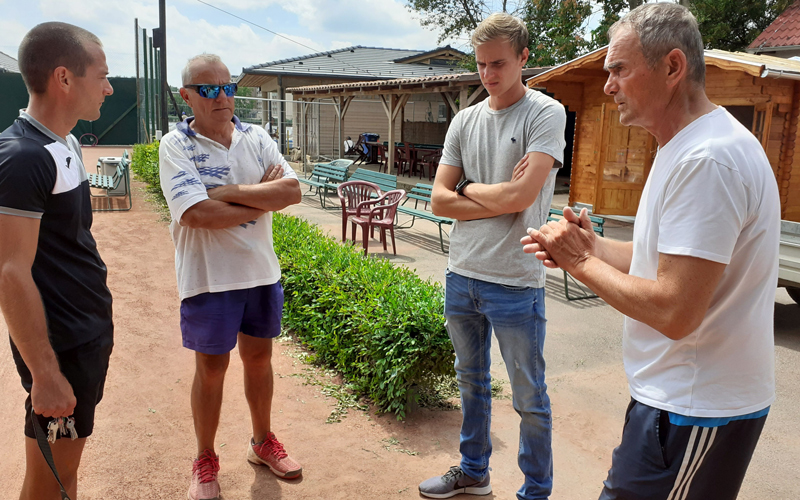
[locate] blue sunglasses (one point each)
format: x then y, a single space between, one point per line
212 91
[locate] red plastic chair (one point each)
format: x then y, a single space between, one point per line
381 157
351 195
430 160
378 213
400 159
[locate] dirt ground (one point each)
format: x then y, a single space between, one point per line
144 444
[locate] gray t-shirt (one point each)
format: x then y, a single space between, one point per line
487 144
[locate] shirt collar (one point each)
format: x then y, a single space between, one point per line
184 127
41 128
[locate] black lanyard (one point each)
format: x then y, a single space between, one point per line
44 446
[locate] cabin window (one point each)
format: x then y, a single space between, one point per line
756 118
744 114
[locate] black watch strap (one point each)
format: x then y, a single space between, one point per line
461 185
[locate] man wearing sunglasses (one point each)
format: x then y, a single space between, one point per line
222 180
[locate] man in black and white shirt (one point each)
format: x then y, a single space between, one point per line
53 291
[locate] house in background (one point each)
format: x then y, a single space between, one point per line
782 37
611 162
423 119
8 64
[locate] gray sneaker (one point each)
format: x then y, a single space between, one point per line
453 483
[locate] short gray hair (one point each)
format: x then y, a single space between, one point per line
662 27
187 75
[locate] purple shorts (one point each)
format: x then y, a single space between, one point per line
210 322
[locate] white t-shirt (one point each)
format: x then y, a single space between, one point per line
218 260
711 194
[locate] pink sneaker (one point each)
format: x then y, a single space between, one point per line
270 452
204 477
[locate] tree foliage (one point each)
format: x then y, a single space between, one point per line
733 24
458 18
613 10
559 28
725 24
556 29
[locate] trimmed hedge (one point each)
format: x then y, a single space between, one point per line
144 163
381 326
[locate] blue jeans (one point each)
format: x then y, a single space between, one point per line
473 308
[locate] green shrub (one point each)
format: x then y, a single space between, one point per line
381 326
144 163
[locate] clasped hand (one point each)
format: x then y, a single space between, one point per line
566 243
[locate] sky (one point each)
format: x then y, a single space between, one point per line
193 28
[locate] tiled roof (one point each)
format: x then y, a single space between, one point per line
385 83
759 65
466 77
783 32
8 64
363 63
434 52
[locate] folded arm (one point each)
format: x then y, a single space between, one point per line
235 204
267 197
273 193
445 202
213 214
518 193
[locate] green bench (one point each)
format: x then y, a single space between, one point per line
117 185
326 177
386 182
597 226
422 193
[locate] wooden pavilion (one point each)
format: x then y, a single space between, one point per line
459 91
611 162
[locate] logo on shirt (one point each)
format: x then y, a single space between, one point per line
69 158
513 140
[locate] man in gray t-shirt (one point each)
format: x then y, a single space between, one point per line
508 149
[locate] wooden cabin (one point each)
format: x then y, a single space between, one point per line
610 162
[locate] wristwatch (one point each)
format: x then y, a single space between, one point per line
461 185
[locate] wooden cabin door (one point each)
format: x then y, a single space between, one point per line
626 155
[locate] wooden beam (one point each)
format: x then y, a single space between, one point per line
352 91
463 98
389 107
399 104
742 101
340 111
303 134
386 107
589 73
450 99
475 94
347 101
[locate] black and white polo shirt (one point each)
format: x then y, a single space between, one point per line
42 176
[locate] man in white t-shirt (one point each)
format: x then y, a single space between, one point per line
222 180
697 283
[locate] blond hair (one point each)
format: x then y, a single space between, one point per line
502 26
